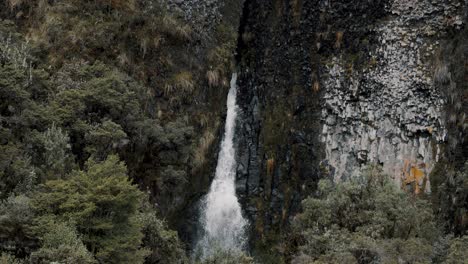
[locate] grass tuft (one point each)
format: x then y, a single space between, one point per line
339 39
316 87
203 147
184 82
213 78
176 29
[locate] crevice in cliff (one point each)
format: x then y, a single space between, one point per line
278 157
243 23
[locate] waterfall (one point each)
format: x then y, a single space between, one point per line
222 223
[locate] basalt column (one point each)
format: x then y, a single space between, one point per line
328 87
278 148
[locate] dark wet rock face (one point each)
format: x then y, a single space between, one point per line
327 87
279 148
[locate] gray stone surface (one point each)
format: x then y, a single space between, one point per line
203 15
390 112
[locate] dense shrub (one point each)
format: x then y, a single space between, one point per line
365 220
223 257
61 244
103 205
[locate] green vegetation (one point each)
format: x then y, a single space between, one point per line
164 244
78 130
450 196
91 216
9 259
109 111
456 251
62 244
102 204
370 220
222 257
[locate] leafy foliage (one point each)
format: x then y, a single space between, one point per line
55 153
51 124
451 197
6 258
61 244
163 243
457 251
16 217
103 205
364 220
85 91
223 257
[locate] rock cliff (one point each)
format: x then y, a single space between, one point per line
328 87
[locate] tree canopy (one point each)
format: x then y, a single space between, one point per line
367 219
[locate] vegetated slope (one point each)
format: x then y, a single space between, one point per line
98 97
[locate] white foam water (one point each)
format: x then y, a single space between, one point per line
221 216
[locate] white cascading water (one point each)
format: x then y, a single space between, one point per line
221 217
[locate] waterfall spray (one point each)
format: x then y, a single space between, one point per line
221 217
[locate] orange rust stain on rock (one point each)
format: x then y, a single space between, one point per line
415 176
270 166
